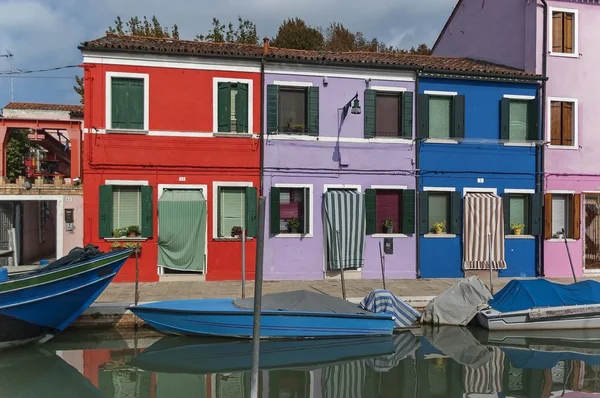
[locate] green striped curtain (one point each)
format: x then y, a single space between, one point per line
440 117
127 209
518 120
232 206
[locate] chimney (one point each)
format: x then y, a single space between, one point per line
265 45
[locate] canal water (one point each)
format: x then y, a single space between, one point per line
439 362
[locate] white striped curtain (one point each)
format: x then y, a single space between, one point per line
486 379
483 213
345 381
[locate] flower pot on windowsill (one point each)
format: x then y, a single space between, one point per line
517 231
437 230
293 230
389 230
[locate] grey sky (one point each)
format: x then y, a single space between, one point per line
45 33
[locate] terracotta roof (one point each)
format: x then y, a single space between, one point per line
44 107
249 51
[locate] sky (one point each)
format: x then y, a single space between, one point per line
44 34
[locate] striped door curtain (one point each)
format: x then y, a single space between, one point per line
483 213
485 379
345 225
346 380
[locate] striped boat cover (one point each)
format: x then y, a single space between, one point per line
385 301
483 213
486 379
344 381
345 212
406 345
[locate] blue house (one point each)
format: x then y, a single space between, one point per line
479 175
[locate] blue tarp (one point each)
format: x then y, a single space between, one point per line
520 295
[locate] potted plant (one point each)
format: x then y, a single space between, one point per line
137 248
517 228
120 232
236 231
388 224
298 128
438 227
133 231
115 246
293 224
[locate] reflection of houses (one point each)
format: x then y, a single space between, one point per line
41 212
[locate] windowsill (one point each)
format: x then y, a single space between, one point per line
286 235
564 55
231 239
526 144
126 131
561 240
519 237
563 147
440 141
126 239
439 236
389 236
233 134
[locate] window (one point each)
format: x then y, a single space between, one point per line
562 211
442 116
122 206
236 207
290 210
518 119
232 112
522 210
388 114
127 103
397 205
563 32
292 110
440 209
562 123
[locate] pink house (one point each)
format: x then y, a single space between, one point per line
557 39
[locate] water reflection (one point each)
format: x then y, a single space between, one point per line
443 362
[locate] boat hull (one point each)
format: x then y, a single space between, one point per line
218 317
34 308
551 318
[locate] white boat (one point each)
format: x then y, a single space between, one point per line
543 305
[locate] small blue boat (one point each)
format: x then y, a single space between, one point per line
37 305
292 315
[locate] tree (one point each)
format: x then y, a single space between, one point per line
219 33
78 87
422 49
17 149
338 38
294 33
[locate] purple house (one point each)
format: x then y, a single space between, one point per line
556 39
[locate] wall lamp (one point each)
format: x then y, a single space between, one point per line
355 106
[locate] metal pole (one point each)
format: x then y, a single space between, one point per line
569 254
243 260
339 250
137 281
382 257
257 296
490 261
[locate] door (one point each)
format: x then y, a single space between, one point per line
6 224
591 245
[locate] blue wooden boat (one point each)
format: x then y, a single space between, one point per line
297 314
37 305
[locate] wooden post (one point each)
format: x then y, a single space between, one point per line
262 200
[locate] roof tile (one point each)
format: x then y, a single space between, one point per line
44 107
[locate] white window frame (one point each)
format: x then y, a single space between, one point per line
127 183
518 191
215 196
310 211
390 188
575 13
204 189
561 192
467 190
438 189
292 84
108 101
575 103
327 187
250 83
436 93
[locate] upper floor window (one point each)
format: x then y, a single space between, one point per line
128 103
564 31
232 107
442 116
562 123
388 113
292 109
518 119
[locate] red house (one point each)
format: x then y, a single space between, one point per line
172 153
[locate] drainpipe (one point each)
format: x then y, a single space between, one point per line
542 147
416 168
262 115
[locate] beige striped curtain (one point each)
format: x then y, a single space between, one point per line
483 213
486 379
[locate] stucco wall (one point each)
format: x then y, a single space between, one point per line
33 249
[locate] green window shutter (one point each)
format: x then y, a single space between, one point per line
533 120
536 214
370 208
423 213
423 126
505 119
136 104
272 108
241 108
307 214
506 208
147 226
275 221
106 211
370 110
407 115
251 211
408 211
455 213
458 119
313 111
118 94
224 107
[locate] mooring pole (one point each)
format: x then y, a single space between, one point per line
243 260
137 282
490 261
339 250
262 200
569 254
382 265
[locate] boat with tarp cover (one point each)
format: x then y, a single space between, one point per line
543 305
